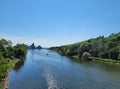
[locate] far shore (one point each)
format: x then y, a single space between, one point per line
97 59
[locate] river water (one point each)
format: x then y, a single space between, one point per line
45 69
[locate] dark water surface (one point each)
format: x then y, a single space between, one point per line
53 71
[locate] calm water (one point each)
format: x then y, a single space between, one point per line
53 71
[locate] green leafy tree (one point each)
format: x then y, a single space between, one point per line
119 56
8 52
20 50
108 47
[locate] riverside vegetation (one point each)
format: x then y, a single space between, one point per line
101 48
8 55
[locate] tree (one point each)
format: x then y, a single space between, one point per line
7 51
1 57
101 47
20 50
86 55
119 57
113 53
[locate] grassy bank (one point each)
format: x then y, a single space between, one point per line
103 60
4 80
98 59
9 55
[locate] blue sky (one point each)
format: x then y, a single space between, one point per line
57 22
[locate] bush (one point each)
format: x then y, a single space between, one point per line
4 66
7 51
119 57
20 50
86 55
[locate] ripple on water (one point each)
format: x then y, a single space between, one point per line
50 77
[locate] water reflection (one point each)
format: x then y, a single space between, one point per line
53 71
19 65
50 78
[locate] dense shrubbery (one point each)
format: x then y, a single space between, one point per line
86 56
9 52
4 66
98 47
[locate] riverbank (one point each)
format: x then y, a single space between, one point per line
4 81
97 59
104 60
56 71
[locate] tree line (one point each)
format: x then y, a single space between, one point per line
8 53
102 47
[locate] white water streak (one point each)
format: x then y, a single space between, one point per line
50 78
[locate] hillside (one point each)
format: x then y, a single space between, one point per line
99 47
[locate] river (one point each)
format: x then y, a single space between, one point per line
45 69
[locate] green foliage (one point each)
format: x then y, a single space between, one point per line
119 56
1 57
86 55
113 53
4 66
108 47
8 52
20 50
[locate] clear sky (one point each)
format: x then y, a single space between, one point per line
57 22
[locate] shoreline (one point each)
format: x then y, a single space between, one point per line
97 59
101 60
107 61
5 82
